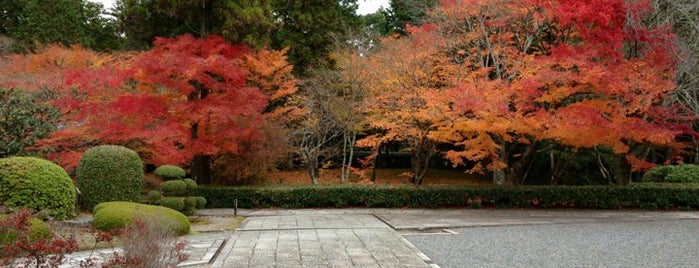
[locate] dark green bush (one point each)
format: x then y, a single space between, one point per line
176 203
683 173
201 202
109 173
116 215
37 184
174 187
170 172
591 197
191 184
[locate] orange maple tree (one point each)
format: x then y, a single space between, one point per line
496 78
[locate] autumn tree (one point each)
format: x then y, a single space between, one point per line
184 100
546 73
405 74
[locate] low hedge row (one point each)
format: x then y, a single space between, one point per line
652 196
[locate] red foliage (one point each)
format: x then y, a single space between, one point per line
184 97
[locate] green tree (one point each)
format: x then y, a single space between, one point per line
307 27
404 12
24 118
29 22
242 21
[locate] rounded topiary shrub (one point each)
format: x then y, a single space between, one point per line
176 203
116 215
154 196
109 173
174 187
191 184
37 184
201 202
170 172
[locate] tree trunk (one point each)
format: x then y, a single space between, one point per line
201 169
500 175
622 170
377 160
517 172
420 160
347 155
311 164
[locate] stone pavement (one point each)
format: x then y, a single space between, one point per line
363 237
366 237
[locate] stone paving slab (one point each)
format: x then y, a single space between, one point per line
323 240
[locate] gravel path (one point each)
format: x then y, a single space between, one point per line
605 244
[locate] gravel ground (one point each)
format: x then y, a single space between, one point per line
612 244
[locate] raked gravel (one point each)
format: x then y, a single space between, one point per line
601 244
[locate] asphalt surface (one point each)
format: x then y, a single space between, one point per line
600 244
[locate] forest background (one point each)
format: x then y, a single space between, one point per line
525 91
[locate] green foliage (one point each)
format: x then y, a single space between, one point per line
191 184
116 215
683 173
63 21
248 22
190 202
201 202
109 173
174 187
170 172
308 27
24 118
175 203
591 197
37 184
38 231
404 12
154 196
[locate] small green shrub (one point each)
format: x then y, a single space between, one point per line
109 173
201 202
170 172
116 215
173 188
38 231
190 202
176 203
154 196
37 184
683 173
191 184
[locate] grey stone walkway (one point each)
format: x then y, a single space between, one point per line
322 240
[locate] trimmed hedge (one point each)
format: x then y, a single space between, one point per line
116 215
38 184
639 196
170 172
109 173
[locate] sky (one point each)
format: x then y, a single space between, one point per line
365 6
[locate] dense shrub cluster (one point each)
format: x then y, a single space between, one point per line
593 197
37 184
109 173
683 173
116 215
176 193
